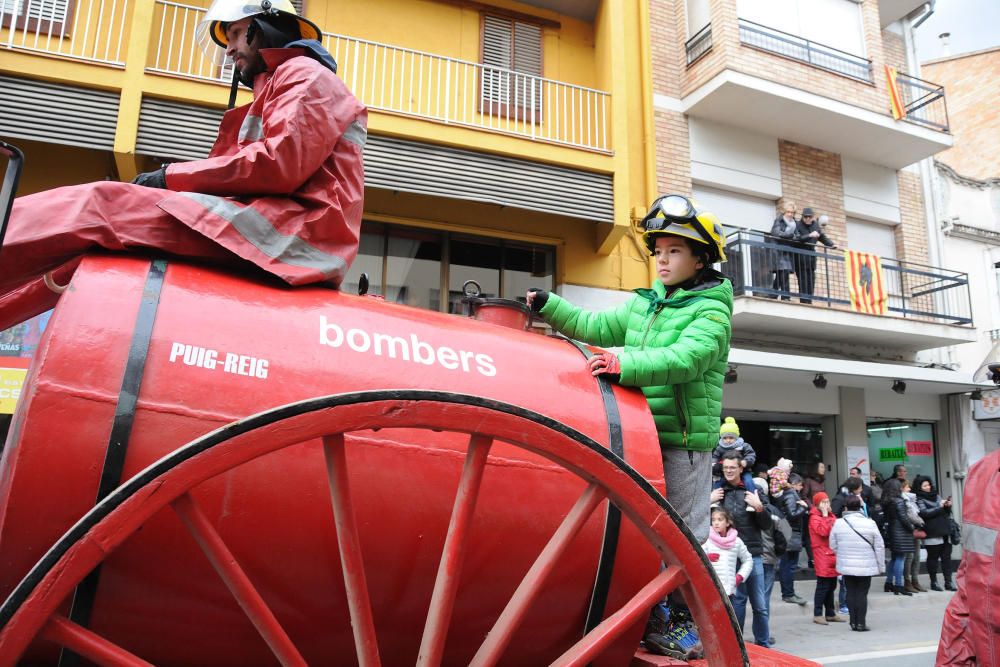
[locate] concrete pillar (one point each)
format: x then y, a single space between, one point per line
850 429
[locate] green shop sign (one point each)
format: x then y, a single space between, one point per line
892 454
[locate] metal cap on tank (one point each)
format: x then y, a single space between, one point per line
505 312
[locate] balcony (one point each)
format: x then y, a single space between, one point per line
781 85
794 47
927 307
420 85
91 31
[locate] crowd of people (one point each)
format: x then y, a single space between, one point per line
762 523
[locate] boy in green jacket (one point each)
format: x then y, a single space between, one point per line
676 339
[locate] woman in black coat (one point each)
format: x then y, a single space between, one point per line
899 533
936 514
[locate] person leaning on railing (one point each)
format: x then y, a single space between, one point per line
783 231
807 232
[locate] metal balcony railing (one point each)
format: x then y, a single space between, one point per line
699 44
418 84
914 291
89 30
803 50
923 102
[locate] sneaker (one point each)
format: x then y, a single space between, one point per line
795 599
844 611
671 632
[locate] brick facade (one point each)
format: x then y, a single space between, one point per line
673 154
970 83
911 235
894 49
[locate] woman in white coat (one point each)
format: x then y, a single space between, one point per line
860 551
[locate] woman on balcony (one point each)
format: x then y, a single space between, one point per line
783 232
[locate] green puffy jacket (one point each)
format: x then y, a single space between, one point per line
675 350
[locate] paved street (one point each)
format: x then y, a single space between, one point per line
905 630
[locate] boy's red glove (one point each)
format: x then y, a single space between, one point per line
604 362
739 579
714 557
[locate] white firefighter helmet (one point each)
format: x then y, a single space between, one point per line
211 31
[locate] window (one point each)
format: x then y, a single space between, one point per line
411 266
512 67
49 17
891 443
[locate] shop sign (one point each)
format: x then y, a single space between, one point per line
919 448
989 407
892 454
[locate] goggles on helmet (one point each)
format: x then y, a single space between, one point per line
671 210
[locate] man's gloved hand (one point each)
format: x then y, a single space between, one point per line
604 362
714 557
536 299
152 179
739 579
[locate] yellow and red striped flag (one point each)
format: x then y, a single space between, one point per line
895 99
865 282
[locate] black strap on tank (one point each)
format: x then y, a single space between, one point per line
613 520
121 431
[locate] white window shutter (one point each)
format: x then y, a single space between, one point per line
512 64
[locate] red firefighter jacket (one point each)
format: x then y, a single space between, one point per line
283 186
970 633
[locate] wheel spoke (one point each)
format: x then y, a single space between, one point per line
237 581
362 622
613 626
492 649
60 630
450 569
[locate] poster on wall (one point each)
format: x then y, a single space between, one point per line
989 407
17 347
857 457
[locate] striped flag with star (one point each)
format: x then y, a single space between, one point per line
865 282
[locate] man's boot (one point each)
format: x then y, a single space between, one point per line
901 590
948 585
935 586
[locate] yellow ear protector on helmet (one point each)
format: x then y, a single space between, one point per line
676 215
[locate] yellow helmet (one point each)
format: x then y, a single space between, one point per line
676 215
211 30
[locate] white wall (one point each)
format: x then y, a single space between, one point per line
890 405
735 210
871 237
871 192
976 259
734 159
780 397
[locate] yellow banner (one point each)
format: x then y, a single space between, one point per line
865 282
11 381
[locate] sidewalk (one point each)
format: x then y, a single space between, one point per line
904 630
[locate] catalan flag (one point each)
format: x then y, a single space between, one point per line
865 282
895 99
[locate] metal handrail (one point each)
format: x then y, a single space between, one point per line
924 101
914 290
859 68
699 44
419 84
88 30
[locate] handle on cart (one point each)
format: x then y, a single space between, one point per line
11 177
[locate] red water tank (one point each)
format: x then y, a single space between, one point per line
222 348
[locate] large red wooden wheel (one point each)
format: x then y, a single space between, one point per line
33 610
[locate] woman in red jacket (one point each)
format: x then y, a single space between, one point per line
821 521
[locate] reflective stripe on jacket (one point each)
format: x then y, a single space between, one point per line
283 186
970 633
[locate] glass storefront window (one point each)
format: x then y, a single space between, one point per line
801 443
909 443
410 265
472 260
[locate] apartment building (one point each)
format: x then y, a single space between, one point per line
759 102
966 187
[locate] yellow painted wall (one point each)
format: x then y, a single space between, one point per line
601 55
49 166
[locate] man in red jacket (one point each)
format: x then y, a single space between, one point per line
282 187
970 633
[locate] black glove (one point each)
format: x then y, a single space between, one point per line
538 299
152 179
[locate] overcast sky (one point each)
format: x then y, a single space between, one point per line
973 24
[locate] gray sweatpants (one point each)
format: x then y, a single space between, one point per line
688 478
